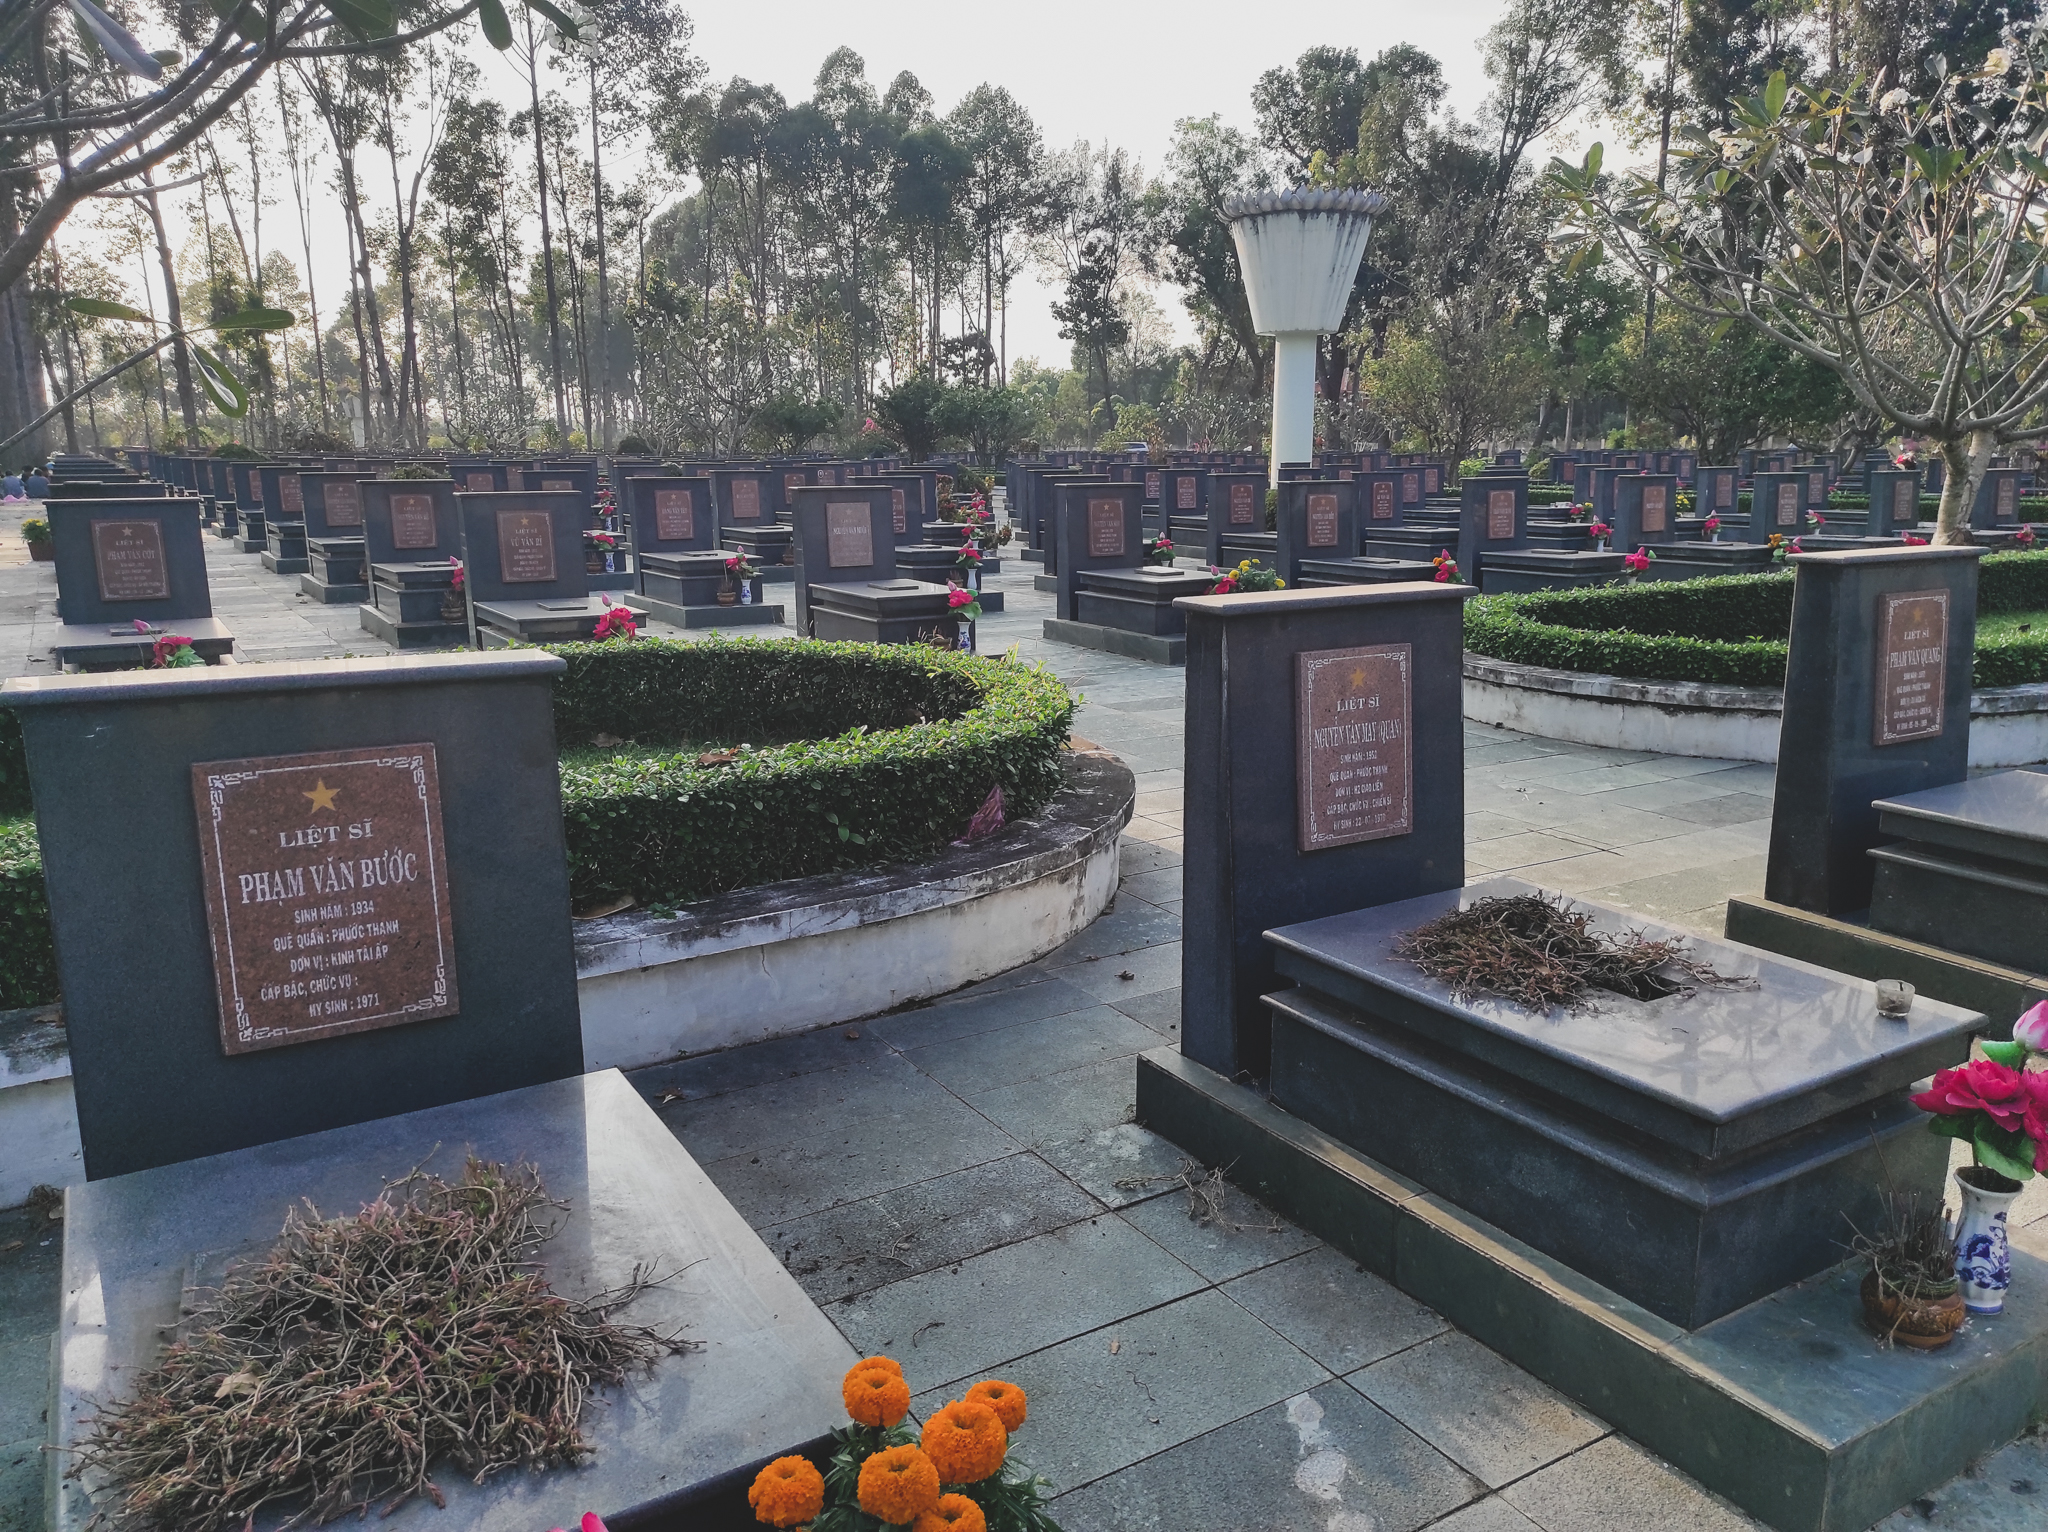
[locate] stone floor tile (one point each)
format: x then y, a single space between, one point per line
1159 801
1152 886
779 1058
1489 824
1031 1050
1667 896
1319 1460
1478 1408
1615 1486
1066 1105
1529 849
1120 1164
949 1018
1340 1314
1121 928
878 1087
31 1261
1159 1010
1724 809
975 1318
1143 828
1137 857
22 1409
1221 1232
1492 1514
862 1245
21 1485
1152 968
1117 1395
789 1177
2004 1492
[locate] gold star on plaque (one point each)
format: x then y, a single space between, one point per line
1358 676
322 796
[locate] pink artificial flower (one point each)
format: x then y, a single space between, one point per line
457 583
957 598
1819 520
1997 1090
141 626
1638 561
2025 537
1713 523
1795 546
1600 529
2032 1027
1913 541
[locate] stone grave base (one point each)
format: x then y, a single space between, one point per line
1032 555
108 646
738 615
413 635
675 1446
312 585
1789 1407
251 544
1851 947
1159 648
1693 561
1045 584
280 565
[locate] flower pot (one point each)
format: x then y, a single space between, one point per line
727 596
789 554
593 561
1983 1258
43 553
453 608
1923 1323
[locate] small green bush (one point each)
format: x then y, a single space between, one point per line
28 958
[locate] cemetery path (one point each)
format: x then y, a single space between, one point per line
961 1185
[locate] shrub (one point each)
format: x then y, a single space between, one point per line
28 958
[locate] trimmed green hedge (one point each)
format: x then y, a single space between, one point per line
941 729
894 749
28 959
1730 630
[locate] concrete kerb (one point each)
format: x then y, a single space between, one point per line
2008 724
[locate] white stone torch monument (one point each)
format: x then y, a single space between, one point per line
1299 251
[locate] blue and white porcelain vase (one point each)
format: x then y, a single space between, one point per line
1983 1257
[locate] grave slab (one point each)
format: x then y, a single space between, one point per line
683 1441
1969 872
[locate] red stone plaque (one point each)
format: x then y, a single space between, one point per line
344 502
557 483
1724 491
1905 503
1429 481
1184 492
526 547
412 521
326 885
1500 515
849 535
1816 487
2008 499
899 513
1411 488
1151 485
290 498
1322 521
130 559
1788 504
827 476
1656 508
480 483
675 515
1242 511
1383 500
746 499
790 481
1106 529
1912 665
1352 760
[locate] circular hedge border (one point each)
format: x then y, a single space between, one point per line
1729 630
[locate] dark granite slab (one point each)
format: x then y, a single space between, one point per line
1531 569
117 646
1711 1071
2003 815
1363 571
765 1381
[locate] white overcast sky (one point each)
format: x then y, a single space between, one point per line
1117 74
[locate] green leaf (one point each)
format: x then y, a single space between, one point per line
220 383
1949 1127
1591 167
369 18
496 24
2007 1153
256 319
2012 1055
1774 95
245 18
1721 330
103 308
564 23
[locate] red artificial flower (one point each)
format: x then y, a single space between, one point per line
1600 529
1443 574
1638 561
2025 538
1999 1091
1915 542
1713 523
957 598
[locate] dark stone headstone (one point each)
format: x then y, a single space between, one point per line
911 504
746 497
671 514
480 478
120 561
333 504
1894 500
1777 506
1715 489
1493 517
1379 499
1877 694
580 478
1237 508
1316 519
1969 868
1301 800
524 545
1645 510
410 521
1998 500
843 536
283 498
1101 526
191 1036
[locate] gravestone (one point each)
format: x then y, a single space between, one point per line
847 582
1997 506
124 562
1493 518
1818 477
1316 519
1362 685
1100 527
412 543
1894 500
526 576
247 479
578 477
1777 506
477 478
1715 491
333 512
1107 596
1645 511
1968 870
284 525
1877 685
1185 500
679 568
1236 518
1379 499
747 500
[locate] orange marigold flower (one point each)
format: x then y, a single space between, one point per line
787 1493
874 1397
887 1364
965 1442
898 1485
1006 1399
953 1513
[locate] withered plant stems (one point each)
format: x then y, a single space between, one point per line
338 1369
1539 953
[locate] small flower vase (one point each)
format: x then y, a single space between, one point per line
593 560
746 593
452 608
1983 1258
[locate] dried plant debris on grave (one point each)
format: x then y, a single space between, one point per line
1539 953
336 1371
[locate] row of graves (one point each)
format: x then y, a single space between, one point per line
1636 1173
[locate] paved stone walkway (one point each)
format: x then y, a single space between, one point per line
961 1184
